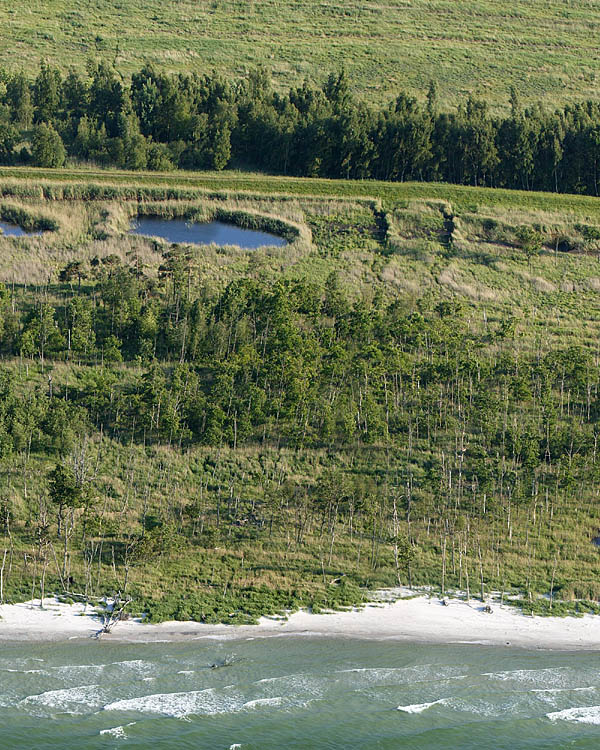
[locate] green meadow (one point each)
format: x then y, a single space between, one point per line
546 49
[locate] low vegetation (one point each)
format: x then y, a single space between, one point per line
405 394
544 48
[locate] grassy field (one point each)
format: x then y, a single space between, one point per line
545 48
417 245
34 181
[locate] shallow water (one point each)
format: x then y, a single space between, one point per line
12 230
214 232
295 692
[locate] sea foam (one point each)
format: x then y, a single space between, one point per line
258 702
68 700
582 715
117 732
552 676
180 705
417 708
405 675
564 690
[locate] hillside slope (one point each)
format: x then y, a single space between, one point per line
545 48
404 392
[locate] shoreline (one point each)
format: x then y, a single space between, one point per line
421 619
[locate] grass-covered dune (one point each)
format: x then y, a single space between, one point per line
407 392
546 49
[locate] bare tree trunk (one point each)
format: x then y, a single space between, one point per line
551 583
444 542
481 571
396 529
2 577
116 614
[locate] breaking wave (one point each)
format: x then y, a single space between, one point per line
74 700
581 715
180 705
418 708
258 702
117 732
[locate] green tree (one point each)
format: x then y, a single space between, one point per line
47 149
41 333
530 240
64 490
46 94
81 334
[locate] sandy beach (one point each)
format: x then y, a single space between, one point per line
420 619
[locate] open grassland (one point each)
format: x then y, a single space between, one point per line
443 384
546 49
102 184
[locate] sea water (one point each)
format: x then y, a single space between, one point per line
295 692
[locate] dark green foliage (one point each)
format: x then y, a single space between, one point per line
26 220
47 148
159 122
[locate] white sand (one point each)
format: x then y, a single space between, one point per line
54 621
420 619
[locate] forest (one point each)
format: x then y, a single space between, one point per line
407 392
159 121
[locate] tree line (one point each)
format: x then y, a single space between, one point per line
159 121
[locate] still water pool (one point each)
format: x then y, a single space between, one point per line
214 232
12 230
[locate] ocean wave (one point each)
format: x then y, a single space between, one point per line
521 704
17 665
73 700
93 671
271 635
214 637
136 665
417 708
556 677
582 715
25 671
180 705
258 702
402 675
117 732
563 690
304 687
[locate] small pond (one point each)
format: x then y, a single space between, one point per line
214 232
12 230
